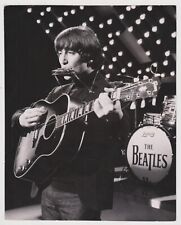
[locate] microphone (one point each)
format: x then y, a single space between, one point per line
65 74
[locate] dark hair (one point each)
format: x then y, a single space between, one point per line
83 40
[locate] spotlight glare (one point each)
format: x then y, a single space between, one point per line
130 29
139 71
29 10
91 18
128 8
111 66
140 41
114 59
42 13
149 8
118 33
148 53
172 73
142 16
120 53
147 34
147 69
60 19
130 64
108 75
51 24
110 35
72 11
123 70
81 7
138 21
162 20
158 41
109 21
105 48
167 53
102 67
173 35
101 25
155 64
121 16
38 21
111 42
47 31
66 13
165 62
162 74
48 9
154 28
84 24
133 6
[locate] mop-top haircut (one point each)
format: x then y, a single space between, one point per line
81 39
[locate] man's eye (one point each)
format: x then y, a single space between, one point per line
71 52
59 52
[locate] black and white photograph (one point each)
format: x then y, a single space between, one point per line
90 112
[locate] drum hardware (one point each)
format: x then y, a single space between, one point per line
149 153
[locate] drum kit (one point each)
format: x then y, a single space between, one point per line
151 149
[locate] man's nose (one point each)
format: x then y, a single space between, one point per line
64 59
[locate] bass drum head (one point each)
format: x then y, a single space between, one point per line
149 153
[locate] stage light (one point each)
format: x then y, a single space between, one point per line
154 28
91 18
38 21
111 42
148 53
51 24
105 48
120 53
147 34
118 33
110 66
172 73
29 10
65 13
47 31
140 41
147 69
42 13
48 9
121 16
138 21
167 53
101 25
114 59
102 67
81 7
139 71
60 19
130 29
155 64
133 6
123 70
173 35
149 8
162 74
130 64
73 11
84 24
109 21
165 62
142 16
162 20
128 8
110 35
158 41
108 75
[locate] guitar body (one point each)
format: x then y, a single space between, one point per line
41 150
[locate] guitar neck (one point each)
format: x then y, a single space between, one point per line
132 92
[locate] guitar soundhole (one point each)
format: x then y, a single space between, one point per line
50 127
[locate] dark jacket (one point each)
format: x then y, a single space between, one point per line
92 169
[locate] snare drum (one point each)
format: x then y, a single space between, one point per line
149 153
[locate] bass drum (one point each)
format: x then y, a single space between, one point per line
149 153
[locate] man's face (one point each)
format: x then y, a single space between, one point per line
69 59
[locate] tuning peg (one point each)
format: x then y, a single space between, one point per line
145 77
133 106
154 101
143 103
136 79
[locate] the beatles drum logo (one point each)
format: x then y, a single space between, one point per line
149 154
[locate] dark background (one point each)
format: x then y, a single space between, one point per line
30 58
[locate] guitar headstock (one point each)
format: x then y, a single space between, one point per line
140 90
